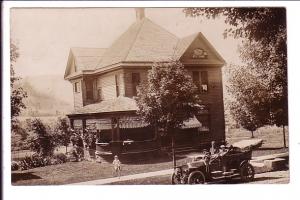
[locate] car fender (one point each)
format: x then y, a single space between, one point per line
244 162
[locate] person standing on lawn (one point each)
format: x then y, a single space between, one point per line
117 166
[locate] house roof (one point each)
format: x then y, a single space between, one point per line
87 58
144 41
112 105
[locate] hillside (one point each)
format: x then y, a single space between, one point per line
47 96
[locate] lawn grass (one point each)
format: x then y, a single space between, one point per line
73 172
271 135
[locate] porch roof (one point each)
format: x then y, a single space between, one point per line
113 105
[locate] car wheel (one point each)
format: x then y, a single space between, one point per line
247 172
196 177
175 179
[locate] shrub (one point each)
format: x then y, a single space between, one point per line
62 158
37 160
43 142
14 165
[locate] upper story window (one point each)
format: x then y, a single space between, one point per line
196 78
117 81
99 90
200 79
89 89
77 87
204 81
99 94
135 82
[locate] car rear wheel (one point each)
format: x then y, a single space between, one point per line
196 177
247 172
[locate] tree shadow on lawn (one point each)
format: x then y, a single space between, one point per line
150 159
15 177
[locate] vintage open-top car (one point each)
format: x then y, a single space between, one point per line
232 162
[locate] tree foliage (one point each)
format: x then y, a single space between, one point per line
249 105
264 53
17 92
43 141
169 97
63 132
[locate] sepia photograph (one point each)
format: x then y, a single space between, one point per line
149 96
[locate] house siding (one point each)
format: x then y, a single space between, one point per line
128 87
78 96
214 100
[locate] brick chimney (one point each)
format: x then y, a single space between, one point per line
140 13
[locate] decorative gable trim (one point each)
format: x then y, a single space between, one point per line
198 50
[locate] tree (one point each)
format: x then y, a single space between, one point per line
248 105
42 142
17 92
168 98
63 132
264 50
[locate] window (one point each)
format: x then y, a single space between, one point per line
77 87
204 81
201 81
196 79
89 89
117 85
135 82
99 94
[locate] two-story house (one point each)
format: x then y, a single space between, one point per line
105 82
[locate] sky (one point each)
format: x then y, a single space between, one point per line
45 35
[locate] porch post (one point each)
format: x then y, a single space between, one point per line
113 134
118 129
72 123
83 126
82 136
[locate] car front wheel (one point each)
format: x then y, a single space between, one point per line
175 179
196 177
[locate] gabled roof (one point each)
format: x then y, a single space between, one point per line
84 58
184 43
144 41
87 58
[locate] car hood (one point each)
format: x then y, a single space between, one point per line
196 164
254 143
